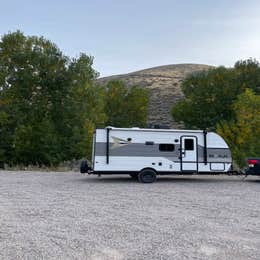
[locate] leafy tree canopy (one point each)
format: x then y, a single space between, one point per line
209 95
50 104
46 101
243 132
125 107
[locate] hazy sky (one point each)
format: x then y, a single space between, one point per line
128 35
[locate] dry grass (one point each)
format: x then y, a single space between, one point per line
72 165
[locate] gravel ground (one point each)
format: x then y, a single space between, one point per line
69 216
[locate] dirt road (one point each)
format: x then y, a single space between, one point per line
70 216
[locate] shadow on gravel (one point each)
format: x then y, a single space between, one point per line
107 180
198 180
168 179
254 180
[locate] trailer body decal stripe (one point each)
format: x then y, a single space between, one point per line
142 150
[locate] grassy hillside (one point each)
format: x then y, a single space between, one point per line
163 83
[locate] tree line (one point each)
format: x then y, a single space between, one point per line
226 100
50 104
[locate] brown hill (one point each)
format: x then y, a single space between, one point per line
163 83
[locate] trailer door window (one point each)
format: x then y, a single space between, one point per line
189 144
166 147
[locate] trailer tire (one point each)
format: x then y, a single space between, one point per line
147 176
84 166
134 176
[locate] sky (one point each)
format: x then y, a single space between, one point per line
129 35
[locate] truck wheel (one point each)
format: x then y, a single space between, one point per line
147 176
134 176
84 167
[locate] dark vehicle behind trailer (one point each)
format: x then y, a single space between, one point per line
253 166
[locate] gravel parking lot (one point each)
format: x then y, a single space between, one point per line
50 215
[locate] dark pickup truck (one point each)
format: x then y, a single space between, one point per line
253 166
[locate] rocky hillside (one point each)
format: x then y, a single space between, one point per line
164 86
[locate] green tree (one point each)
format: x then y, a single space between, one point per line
48 103
84 107
4 137
208 98
248 74
137 107
125 107
209 95
31 70
243 132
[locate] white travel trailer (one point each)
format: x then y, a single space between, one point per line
146 153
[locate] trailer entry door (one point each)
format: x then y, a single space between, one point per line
189 154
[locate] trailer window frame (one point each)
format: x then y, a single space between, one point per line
166 147
189 144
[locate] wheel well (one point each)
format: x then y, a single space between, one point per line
149 168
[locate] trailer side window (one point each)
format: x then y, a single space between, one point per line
166 147
189 144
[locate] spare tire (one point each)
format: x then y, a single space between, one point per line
84 166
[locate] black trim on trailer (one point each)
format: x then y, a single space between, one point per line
218 148
94 153
155 129
205 147
199 162
160 172
113 172
107 146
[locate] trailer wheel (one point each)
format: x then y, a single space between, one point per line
147 176
134 176
84 167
